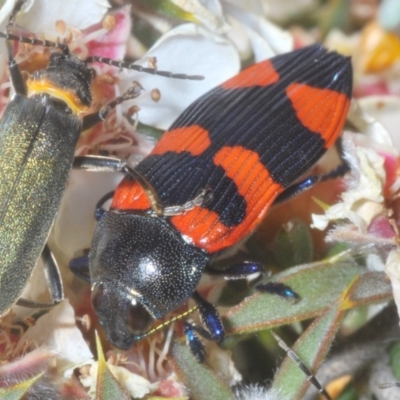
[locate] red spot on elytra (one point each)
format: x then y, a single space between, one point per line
261 74
130 196
323 111
193 139
253 182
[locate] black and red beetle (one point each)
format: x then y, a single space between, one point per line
207 184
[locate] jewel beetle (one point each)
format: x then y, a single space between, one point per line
207 184
39 129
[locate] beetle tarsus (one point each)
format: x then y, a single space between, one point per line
279 289
237 271
310 181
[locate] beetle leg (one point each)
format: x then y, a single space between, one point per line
99 164
236 271
246 268
210 319
53 279
91 120
17 81
310 181
11 20
99 206
214 330
279 289
80 267
194 342
109 164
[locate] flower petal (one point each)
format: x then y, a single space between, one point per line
114 42
384 110
208 12
5 12
73 228
393 272
134 384
363 200
267 39
57 330
43 14
189 49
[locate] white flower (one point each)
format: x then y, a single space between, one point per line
363 200
188 49
244 24
373 160
58 332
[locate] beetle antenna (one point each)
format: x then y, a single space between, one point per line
389 385
36 42
65 49
13 16
301 365
23 39
169 322
133 66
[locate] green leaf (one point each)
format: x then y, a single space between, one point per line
369 288
290 381
349 393
203 384
318 285
294 244
108 387
17 391
395 360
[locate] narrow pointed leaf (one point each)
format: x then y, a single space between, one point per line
17 391
108 387
318 285
290 382
203 384
370 288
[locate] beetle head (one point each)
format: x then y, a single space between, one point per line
141 269
67 78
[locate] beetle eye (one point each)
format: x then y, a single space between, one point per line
97 294
138 318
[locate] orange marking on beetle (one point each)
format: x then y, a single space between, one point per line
261 74
321 110
193 139
48 87
253 182
129 195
